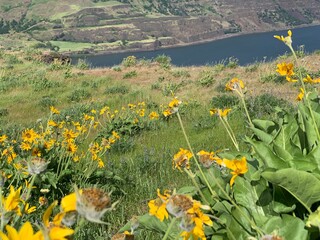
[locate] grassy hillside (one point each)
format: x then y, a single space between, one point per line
141 162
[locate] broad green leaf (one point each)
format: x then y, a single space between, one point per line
263 136
190 190
283 201
287 227
269 158
282 153
303 164
239 225
266 125
287 136
308 127
304 186
246 195
282 208
153 224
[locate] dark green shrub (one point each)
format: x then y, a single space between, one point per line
82 64
224 101
78 95
47 101
130 74
206 78
164 61
4 112
274 77
265 105
121 89
129 61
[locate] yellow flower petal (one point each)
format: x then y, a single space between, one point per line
69 202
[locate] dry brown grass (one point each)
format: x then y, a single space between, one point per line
148 75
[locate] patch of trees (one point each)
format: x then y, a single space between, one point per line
17 26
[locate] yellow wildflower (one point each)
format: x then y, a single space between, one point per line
43 201
220 112
54 110
100 163
69 135
9 153
153 116
52 123
71 147
11 203
238 167
36 152
234 84
285 69
55 230
168 112
28 209
69 202
193 222
103 110
88 117
308 79
287 40
206 158
158 206
29 135
49 144
174 103
25 233
25 146
115 135
300 95
181 159
3 138
131 106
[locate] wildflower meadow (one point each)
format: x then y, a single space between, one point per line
135 167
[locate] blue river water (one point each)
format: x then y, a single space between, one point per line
247 49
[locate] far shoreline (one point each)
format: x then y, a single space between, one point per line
221 37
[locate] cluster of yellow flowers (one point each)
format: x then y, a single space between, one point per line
237 167
50 149
172 108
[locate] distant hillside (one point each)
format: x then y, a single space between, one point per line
132 24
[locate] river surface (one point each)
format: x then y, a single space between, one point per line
247 49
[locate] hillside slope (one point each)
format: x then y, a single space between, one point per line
132 24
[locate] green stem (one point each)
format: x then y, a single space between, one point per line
165 237
33 178
246 109
229 131
79 225
213 193
198 187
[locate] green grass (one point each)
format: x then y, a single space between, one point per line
71 46
143 162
